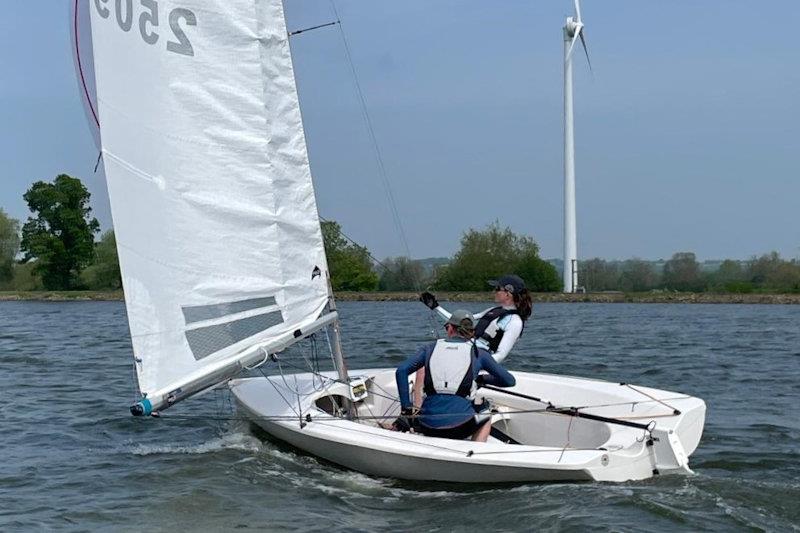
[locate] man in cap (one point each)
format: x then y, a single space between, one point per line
451 375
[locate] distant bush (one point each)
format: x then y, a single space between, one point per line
104 272
401 274
490 253
23 278
739 287
9 245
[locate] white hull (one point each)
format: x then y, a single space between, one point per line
554 447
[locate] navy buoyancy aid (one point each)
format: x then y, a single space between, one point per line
449 368
493 335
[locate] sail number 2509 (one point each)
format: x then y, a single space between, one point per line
148 22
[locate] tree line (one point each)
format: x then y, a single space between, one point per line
56 250
768 273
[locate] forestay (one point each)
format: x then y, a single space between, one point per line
211 193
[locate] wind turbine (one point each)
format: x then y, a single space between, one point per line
573 30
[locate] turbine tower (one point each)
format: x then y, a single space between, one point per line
573 30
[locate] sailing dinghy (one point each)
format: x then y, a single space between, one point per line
224 268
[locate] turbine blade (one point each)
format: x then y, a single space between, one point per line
578 11
586 50
572 45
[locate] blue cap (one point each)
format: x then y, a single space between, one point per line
511 283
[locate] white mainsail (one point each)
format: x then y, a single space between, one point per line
211 193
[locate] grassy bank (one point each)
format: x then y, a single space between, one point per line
597 297
60 296
594 297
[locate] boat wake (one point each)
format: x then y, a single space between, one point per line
231 441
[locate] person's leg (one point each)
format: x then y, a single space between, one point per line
419 379
482 435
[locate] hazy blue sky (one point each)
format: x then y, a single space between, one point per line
687 138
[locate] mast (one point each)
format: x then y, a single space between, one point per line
336 349
336 338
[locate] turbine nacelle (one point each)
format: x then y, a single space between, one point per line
573 30
572 27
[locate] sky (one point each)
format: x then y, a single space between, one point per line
687 133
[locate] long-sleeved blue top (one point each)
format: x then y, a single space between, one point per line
448 410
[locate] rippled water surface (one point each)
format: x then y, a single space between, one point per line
73 458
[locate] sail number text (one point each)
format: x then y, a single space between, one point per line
148 22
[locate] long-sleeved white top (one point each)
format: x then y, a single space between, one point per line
510 324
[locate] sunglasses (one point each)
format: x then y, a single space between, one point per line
507 288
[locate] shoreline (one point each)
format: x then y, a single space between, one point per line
551 297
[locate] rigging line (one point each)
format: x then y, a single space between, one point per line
318 26
470 452
353 241
570 411
417 283
313 364
330 418
566 444
288 403
374 139
630 403
548 450
395 401
674 411
617 404
335 380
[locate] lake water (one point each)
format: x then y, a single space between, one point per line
71 457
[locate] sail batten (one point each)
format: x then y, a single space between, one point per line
210 185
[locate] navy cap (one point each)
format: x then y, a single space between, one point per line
511 283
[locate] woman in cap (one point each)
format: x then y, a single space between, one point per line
498 328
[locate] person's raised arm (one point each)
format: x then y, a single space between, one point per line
432 303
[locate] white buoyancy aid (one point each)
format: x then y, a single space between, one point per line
448 369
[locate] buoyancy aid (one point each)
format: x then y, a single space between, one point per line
449 368
487 328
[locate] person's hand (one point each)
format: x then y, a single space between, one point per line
402 423
429 300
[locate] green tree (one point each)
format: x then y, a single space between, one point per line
682 273
350 264
400 274
599 275
637 276
490 253
104 272
61 237
539 275
771 273
9 245
729 277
